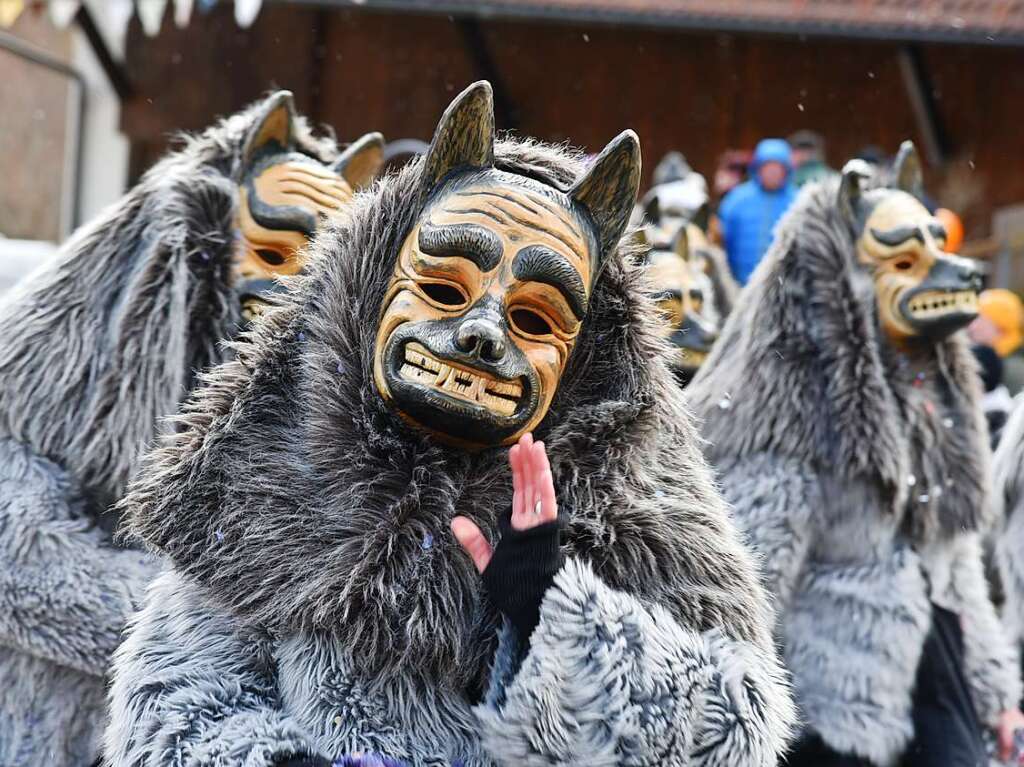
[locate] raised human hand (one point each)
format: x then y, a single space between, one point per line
520 569
533 500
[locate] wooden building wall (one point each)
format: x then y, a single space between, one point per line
33 133
699 93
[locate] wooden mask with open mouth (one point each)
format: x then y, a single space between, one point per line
283 193
685 295
921 291
492 284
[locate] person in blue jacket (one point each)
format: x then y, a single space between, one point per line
749 212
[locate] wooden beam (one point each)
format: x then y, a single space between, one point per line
918 82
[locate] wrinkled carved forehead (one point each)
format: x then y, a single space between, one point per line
893 219
518 210
298 186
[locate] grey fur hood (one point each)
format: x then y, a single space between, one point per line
105 339
302 503
800 371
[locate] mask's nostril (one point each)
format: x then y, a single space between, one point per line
493 350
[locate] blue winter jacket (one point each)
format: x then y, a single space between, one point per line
749 212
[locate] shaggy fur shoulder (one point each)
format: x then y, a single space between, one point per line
303 503
801 372
111 330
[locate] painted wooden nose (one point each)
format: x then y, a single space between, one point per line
482 339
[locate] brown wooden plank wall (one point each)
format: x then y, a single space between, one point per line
697 92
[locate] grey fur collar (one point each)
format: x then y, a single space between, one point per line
300 501
801 370
105 340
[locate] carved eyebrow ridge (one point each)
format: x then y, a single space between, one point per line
938 231
479 245
539 264
898 236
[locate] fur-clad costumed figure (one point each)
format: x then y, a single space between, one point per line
1008 495
842 414
97 347
319 604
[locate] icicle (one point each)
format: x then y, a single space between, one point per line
63 11
119 12
182 12
10 10
151 14
246 12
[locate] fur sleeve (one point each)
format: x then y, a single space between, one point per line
1009 549
65 593
991 659
189 691
774 501
608 681
1008 498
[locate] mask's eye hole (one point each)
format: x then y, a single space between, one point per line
904 264
530 323
443 294
271 257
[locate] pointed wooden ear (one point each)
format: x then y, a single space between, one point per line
275 121
702 217
652 210
464 137
608 190
361 160
855 173
907 170
681 244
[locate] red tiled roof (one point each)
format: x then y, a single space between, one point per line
975 21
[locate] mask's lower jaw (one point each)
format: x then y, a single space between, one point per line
932 304
460 403
460 382
255 296
939 312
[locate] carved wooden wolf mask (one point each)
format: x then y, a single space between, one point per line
282 194
491 285
922 291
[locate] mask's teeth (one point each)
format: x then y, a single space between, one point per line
421 360
501 405
506 389
498 396
477 390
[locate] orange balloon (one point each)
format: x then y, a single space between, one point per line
954 229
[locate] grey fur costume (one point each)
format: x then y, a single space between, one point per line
863 487
318 603
97 347
1008 500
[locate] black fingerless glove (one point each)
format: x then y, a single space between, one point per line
521 570
302 761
